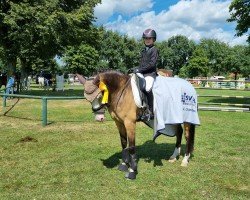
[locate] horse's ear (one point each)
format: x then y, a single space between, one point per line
81 79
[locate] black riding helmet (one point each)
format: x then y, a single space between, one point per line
149 33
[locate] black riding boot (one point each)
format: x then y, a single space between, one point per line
150 99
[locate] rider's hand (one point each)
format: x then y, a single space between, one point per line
136 70
133 70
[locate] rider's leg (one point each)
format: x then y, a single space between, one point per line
149 85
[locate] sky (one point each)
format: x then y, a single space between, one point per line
195 19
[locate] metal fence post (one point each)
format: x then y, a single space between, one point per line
44 111
4 101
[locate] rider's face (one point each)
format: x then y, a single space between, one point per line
148 41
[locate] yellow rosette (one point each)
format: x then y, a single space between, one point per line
104 88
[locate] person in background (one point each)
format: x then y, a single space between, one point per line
10 84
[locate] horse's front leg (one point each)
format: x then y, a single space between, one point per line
125 153
130 129
177 149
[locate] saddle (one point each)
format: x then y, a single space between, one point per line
145 98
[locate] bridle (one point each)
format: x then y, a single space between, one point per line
118 100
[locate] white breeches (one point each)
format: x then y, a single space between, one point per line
149 81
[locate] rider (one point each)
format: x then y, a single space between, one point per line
147 67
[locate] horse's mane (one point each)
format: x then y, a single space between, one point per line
113 79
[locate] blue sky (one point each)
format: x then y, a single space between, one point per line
195 19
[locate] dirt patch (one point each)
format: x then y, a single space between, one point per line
27 139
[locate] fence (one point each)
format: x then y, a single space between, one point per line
44 102
233 107
220 84
44 114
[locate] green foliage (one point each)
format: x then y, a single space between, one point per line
118 52
180 49
33 32
216 53
39 30
165 55
131 52
81 59
112 49
197 65
238 61
240 12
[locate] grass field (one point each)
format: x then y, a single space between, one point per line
76 158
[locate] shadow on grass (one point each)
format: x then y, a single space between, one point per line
50 122
230 100
11 107
23 118
149 152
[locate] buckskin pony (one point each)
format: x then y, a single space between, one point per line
113 90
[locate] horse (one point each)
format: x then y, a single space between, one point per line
41 81
113 90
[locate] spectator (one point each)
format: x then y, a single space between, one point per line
10 84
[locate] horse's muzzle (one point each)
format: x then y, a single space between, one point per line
97 103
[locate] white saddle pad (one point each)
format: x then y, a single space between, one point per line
136 94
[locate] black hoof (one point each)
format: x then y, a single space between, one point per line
131 175
123 167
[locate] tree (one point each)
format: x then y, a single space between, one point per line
238 61
112 50
165 55
81 59
118 51
216 53
197 65
131 53
40 30
181 50
240 12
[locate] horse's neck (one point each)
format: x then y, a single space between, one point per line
121 96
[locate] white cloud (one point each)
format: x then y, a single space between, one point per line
127 7
195 19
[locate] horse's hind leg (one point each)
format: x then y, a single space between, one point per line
177 149
189 135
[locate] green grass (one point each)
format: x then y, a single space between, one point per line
76 158
224 92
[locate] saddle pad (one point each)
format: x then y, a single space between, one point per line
135 91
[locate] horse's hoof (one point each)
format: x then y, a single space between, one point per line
172 160
184 164
123 167
131 175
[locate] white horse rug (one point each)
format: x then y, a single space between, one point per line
175 102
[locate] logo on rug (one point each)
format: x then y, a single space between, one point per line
188 99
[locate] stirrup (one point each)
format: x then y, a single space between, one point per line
147 117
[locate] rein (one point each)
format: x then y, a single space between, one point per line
122 92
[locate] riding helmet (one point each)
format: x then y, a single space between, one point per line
149 33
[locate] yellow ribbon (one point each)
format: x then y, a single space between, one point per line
104 88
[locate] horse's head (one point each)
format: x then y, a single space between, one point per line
94 95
